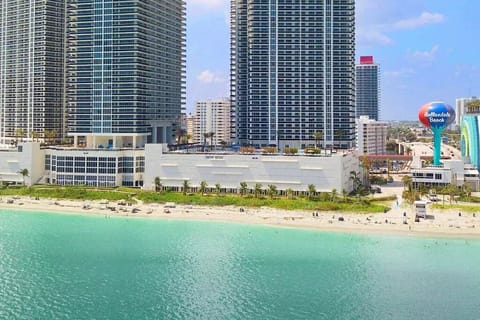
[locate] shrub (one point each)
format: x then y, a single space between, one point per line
269 149
384 198
374 179
247 149
291 150
312 150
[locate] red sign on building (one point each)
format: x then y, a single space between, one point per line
366 60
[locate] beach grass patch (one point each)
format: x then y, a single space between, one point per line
226 199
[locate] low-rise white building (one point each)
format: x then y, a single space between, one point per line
72 166
371 136
94 167
26 155
230 169
454 172
139 167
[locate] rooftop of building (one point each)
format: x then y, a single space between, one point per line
214 150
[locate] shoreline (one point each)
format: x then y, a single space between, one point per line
446 223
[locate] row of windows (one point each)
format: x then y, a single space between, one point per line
426 175
89 180
100 165
95 181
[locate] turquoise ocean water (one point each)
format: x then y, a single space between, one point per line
55 266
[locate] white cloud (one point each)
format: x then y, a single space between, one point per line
401 73
209 3
208 7
372 38
424 19
378 20
208 76
426 56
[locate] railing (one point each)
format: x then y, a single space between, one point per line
89 149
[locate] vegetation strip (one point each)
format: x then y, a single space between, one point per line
313 201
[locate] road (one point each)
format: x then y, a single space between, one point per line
426 149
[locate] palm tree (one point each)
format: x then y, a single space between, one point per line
158 183
372 192
423 191
317 135
272 190
203 187
340 133
407 150
409 195
443 191
243 188
360 192
257 189
389 164
366 165
180 135
206 135
24 172
407 182
312 190
334 194
185 187
212 134
209 135
19 135
467 191
187 138
289 193
218 188
35 135
355 178
50 136
452 191
223 143
344 193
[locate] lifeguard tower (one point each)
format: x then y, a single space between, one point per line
420 209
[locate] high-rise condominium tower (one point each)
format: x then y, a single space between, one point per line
368 88
32 34
126 71
293 72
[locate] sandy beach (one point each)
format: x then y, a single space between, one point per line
440 223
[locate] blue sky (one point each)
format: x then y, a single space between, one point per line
428 50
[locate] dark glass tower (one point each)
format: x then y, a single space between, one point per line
293 72
368 88
126 70
32 34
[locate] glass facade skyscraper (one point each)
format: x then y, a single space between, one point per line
31 68
368 88
293 72
126 71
